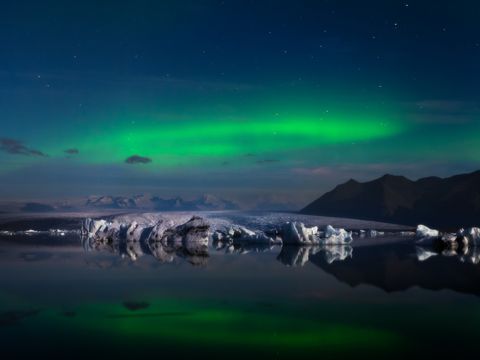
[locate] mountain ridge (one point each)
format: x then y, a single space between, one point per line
443 202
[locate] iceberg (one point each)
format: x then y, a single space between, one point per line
194 232
296 233
372 233
423 232
337 236
157 231
237 234
148 234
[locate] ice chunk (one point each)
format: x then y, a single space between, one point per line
296 233
31 232
134 232
193 233
158 230
237 234
336 236
372 233
423 233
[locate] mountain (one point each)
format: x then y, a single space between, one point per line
37 207
440 202
113 202
205 202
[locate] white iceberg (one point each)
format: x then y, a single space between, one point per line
237 234
424 233
158 230
296 233
337 236
372 233
134 232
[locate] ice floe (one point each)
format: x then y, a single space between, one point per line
296 233
237 234
337 236
160 237
424 233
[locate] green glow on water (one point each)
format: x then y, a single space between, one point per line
188 323
240 328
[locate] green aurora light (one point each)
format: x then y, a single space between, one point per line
185 142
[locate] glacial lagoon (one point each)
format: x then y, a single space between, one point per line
65 295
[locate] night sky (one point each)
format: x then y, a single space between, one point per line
257 101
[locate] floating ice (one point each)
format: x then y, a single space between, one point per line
296 233
337 236
236 234
162 237
423 233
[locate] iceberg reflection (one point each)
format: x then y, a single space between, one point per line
300 255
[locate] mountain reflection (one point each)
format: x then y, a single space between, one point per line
397 268
391 267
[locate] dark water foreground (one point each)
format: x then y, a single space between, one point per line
58 301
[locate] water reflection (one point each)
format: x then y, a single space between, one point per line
398 267
393 266
464 254
300 255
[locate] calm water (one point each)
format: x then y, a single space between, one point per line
58 300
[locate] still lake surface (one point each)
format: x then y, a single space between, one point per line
383 300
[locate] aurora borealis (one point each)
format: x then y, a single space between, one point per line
271 100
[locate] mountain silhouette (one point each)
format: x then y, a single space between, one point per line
447 203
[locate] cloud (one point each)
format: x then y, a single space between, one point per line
71 151
15 147
444 111
368 171
267 161
137 159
